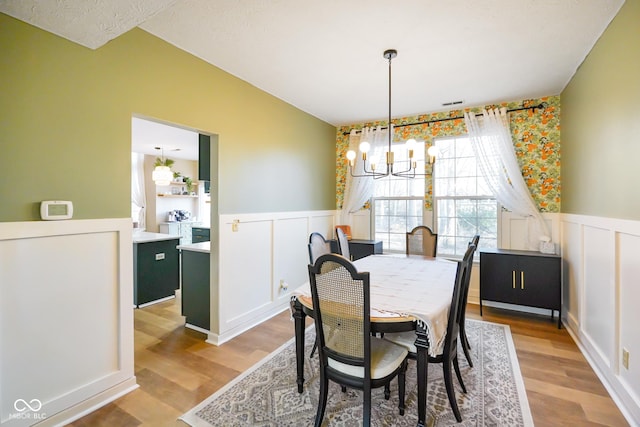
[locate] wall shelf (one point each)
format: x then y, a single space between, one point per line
183 183
176 196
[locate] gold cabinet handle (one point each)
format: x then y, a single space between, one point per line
522 280
513 278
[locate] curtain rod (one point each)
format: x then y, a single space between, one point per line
533 107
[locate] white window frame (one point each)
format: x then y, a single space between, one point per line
373 217
420 158
436 199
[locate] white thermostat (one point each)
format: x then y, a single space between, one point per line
56 209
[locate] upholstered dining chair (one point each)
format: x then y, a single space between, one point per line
343 243
348 354
318 245
449 355
346 229
422 241
464 341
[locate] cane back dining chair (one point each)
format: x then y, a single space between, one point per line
348 354
464 341
318 245
343 243
422 241
449 356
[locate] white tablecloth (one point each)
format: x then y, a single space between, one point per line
409 286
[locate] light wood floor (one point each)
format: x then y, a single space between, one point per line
176 369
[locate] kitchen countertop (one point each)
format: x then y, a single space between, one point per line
197 247
145 237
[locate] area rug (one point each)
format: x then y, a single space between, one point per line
266 394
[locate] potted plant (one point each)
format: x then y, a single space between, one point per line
164 162
189 182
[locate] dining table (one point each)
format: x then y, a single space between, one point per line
408 293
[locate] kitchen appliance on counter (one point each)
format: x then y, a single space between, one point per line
178 215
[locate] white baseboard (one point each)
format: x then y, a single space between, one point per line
617 393
219 339
93 403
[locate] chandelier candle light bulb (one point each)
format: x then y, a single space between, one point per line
433 153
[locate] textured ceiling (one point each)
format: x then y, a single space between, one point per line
325 56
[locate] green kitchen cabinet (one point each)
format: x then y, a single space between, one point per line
195 285
156 273
200 234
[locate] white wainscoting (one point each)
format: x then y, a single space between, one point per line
601 274
66 318
261 262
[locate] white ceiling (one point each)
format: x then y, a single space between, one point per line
174 142
325 56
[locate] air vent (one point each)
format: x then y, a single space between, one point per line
447 104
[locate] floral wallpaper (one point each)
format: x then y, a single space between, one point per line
535 133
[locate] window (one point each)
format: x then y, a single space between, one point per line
463 204
398 203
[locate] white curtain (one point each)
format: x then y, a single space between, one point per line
358 190
138 196
491 141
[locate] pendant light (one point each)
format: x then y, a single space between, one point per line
410 172
162 174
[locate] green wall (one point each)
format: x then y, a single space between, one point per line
65 126
601 124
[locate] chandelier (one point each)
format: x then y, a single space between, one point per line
410 145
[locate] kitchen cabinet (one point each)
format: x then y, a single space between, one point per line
196 292
182 229
200 234
155 267
204 158
525 278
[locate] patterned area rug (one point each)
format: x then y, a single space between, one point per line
266 394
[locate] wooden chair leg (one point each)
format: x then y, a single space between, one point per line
315 347
466 347
366 410
456 366
448 382
467 355
322 400
401 387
